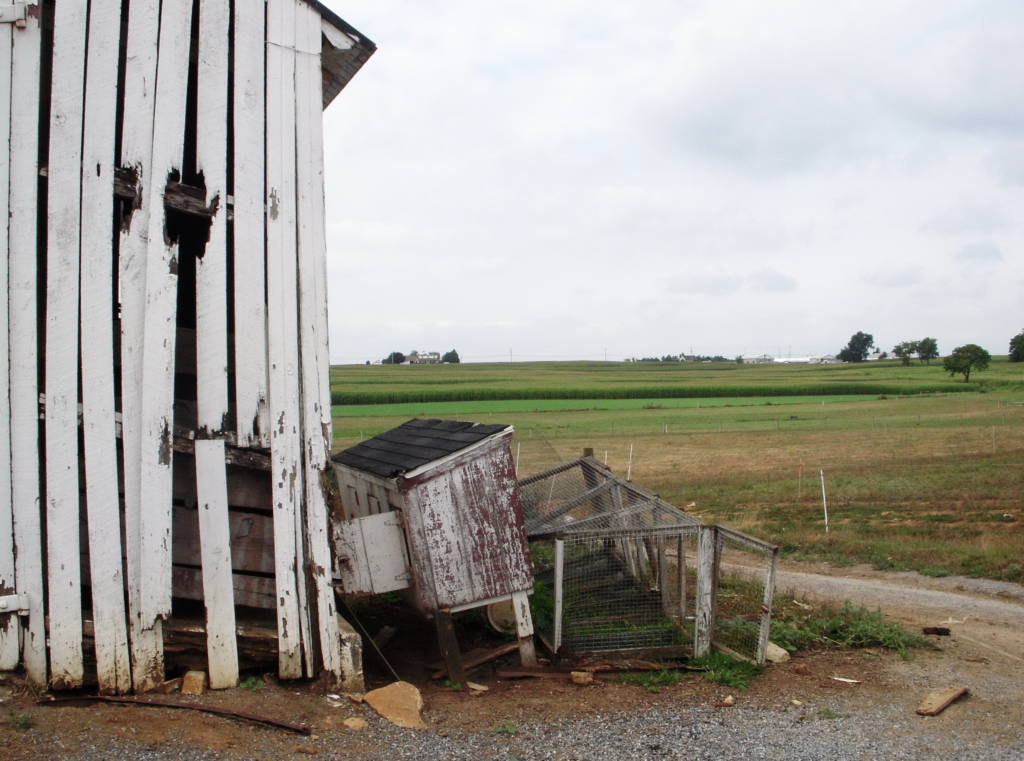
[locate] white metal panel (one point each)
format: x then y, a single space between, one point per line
215 543
136 152
10 624
312 252
249 228
353 565
282 309
23 282
61 382
211 268
157 417
113 664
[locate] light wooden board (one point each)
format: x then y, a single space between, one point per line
250 345
250 591
705 618
938 701
215 541
113 664
136 152
23 277
10 623
312 253
283 360
61 346
157 410
252 540
211 269
371 554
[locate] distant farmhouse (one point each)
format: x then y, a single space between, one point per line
424 358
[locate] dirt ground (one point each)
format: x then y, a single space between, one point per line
985 653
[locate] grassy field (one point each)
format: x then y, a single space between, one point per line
931 482
381 384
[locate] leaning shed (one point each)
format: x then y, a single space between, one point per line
432 506
166 413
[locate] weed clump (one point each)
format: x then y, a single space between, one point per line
847 627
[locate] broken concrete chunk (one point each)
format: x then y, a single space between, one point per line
355 723
477 687
727 702
400 703
581 677
775 654
194 683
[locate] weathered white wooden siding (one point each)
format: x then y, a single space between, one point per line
113 665
108 372
136 151
61 342
10 625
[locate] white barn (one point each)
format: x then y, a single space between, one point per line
163 341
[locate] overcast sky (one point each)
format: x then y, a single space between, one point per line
568 178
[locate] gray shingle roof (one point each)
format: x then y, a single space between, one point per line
414 444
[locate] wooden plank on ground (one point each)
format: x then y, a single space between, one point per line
157 411
248 164
312 256
113 663
938 701
136 152
10 624
215 543
23 282
282 334
61 346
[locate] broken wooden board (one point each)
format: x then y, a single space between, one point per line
475 658
939 700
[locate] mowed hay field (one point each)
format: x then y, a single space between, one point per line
932 482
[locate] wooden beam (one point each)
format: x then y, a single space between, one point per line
63 231
449 645
248 164
10 624
113 663
177 196
136 152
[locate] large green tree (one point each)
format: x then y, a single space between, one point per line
394 358
1017 347
451 357
905 350
927 350
857 349
966 358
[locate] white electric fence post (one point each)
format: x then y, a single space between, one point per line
824 501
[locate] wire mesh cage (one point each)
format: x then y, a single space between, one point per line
619 569
745 576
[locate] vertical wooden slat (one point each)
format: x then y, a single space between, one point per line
705 621
61 346
160 319
524 628
113 665
136 152
556 636
23 275
215 549
766 606
212 347
250 347
681 562
312 255
282 333
10 624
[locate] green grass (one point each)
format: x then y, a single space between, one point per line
506 729
846 627
20 721
380 384
653 681
920 481
729 672
251 683
830 713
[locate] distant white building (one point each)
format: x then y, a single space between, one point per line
763 359
424 358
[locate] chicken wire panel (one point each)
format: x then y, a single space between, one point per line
561 496
743 595
625 590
